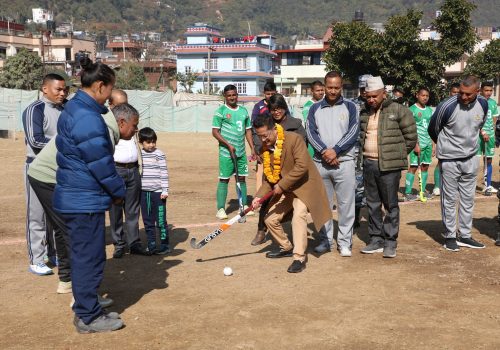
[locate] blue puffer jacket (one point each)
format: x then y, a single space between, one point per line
86 178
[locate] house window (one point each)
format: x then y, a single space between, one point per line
262 64
187 69
67 52
214 87
212 65
241 87
240 63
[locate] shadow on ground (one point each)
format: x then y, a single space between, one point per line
128 279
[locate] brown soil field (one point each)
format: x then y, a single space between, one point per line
426 298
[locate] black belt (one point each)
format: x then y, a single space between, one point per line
127 165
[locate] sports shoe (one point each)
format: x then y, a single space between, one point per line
40 269
490 189
373 247
118 253
410 197
250 213
221 214
296 266
104 302
469 243
164 249
323 247
451 245
103 323
389 252
436 191
137 249
64 287
152 247
345 252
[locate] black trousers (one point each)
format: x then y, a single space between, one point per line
128 232
44 191
381 189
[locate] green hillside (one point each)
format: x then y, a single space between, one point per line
283 18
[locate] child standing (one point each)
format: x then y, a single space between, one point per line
154 192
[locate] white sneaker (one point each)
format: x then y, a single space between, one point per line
105 302
64 287
345 252
436 191
491 189
250 213
40 269
221 214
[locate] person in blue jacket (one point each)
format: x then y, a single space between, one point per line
87 184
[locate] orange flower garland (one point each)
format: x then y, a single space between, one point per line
273 175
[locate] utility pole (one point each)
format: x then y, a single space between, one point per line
209 64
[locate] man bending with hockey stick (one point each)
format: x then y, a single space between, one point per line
290 171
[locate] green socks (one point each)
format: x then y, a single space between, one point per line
409 182
222 194
437 177
425 175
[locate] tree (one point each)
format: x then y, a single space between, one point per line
131 77
398 54
485 64
186 80
22 71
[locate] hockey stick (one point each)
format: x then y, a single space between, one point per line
242 219
421 194
226 225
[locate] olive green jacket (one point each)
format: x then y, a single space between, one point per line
397 135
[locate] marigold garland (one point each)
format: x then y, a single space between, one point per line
273 175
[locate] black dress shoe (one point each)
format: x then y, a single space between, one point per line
279 254
118 253
137 249
297 266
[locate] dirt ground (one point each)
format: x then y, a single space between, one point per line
426 298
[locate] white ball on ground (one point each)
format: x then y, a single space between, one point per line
228 271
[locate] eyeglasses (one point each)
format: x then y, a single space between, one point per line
277 110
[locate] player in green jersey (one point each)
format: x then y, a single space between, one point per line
487 137
318 92
421 156
231 126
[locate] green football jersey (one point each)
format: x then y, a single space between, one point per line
492 112
232 124
422 119
306 108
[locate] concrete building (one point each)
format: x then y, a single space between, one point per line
245 62
42 15
297 66
57 50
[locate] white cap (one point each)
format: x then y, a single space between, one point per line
374 84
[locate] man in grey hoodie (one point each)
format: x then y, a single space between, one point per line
455 128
